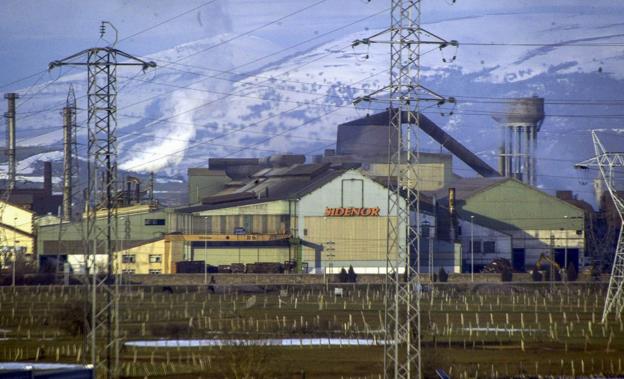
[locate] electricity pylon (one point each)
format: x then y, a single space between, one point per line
607 163
402 355
101 214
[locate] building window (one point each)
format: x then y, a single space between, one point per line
154 221
128 258
477 246
489 247
222 224
265 224
248 223
127 271
155 258
154 272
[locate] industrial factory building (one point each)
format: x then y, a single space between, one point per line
321 217
506 218
318 217
332 213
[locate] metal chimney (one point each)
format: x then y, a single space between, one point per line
67 162
10 116
47 178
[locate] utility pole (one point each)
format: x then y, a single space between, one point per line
472 248
10 116
102 63
206 249
404 94
608 163
330 255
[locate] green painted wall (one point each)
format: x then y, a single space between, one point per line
204 182
512 205
75 231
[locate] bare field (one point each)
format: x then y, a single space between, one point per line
483 330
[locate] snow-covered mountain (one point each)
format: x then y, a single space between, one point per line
213 102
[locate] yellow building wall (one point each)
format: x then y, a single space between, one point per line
142 254
354 238
23 221
226 256
269 208
432 176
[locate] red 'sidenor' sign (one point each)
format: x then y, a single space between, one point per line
350 212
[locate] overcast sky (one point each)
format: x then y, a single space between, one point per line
34 32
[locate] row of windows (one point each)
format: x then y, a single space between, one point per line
131 258
132 271
487 247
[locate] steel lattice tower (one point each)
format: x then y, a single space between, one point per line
607 163
402 351
102 63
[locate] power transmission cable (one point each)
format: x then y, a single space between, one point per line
167 20
270 54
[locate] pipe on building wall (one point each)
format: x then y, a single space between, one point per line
452 213
10 116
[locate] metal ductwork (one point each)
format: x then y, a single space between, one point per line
367 138
455 147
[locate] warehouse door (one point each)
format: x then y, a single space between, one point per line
352 193
518 258
573 257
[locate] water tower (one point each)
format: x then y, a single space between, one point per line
520 119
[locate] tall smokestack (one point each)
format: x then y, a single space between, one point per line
10 115
67 163
151 187
47 178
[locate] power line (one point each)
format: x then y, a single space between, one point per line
167 20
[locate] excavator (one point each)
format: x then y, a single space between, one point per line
545 260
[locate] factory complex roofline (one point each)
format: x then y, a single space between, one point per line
434 131
468 187
271 184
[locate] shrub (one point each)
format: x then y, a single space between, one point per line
506 275
442 275
596 272
571 274
71 318
171 330
536 275
351 275
343 277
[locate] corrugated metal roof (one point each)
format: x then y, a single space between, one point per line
276 184
467 187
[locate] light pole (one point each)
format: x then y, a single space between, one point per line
427 225
472 248
121 248
14 252
330 255
205 249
